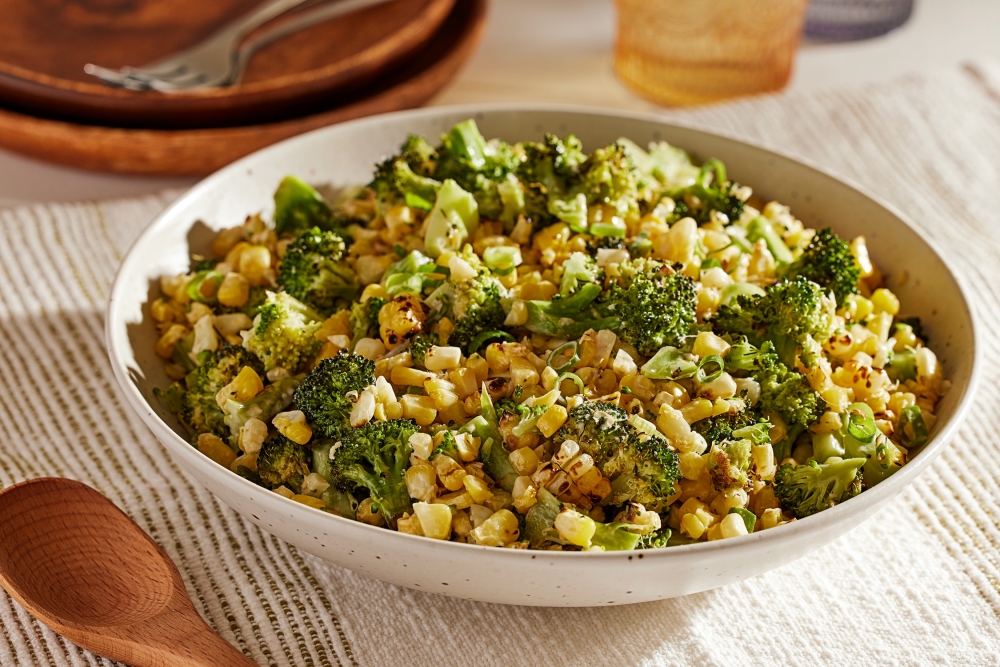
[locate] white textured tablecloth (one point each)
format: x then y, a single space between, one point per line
917 584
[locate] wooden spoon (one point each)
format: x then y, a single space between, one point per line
83 568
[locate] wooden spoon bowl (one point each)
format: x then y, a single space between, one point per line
83 568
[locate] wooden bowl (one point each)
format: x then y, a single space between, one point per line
200 151
44 46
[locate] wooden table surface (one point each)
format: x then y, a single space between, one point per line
560 51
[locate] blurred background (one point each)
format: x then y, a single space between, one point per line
562 51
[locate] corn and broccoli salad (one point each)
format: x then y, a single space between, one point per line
533 347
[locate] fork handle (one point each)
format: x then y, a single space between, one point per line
261 15
302 20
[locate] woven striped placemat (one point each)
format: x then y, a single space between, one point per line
917 583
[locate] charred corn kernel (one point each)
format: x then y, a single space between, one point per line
255 265
770 518
443 393
708 343
412 377
464 381
420 409
226 240
309 501
523 373
461 524
499 530
409 524
574 527
697 410
479 366
369 513
442 358
292 425
477 488
460 499
449 472
422 445
468 446
253 433
732 525
524 460
214 448
165 345
435 520
401 318
234 290
284 492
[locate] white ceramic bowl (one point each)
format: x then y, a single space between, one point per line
344 154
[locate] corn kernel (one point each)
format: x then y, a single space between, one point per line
552 420
523 373
524 460
435 520
518 314
292 425
477 488
214 448
479 367
733 526
234 290
418 408
412 377
499 530
409 524
460 499
165 345
255 265
309 501
461 525
247 384
284 492
692 526
394 410
770 518
708 343
442 391
464 381
691 465
442 358
574 527
253 433
449 472
697 410
372 291
468 447
369 513
859 248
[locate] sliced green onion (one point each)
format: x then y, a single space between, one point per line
710 263
911 420
715 165
502 260
701 376
607 229
575 378
884 456
211 279
574 358
488 335
861 422
416 201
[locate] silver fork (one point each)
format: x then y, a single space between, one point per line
219 60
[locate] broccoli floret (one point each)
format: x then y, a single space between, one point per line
548 171
828 262
311 270
323 393
655 310
375 457
609 177
720 427
419 345
264 406
744 358
396 184
728 463
282 461
472 303
447 447
712 191
657 539
644 470
480 167
806 489
364 319
595 243
791 314
284 332
788 394
198 406
597 427
419 154
579 269
298 207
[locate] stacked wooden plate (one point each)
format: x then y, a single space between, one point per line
388 57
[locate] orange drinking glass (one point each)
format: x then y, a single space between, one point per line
683 52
